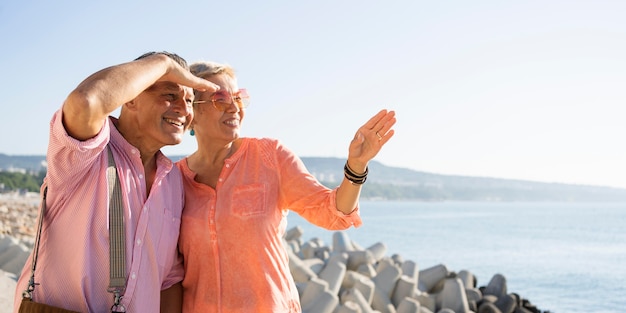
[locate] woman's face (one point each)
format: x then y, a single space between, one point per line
214 121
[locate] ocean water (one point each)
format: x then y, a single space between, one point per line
563 257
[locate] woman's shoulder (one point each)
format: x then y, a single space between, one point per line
270 148
262 142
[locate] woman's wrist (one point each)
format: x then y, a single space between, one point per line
354 177
356 166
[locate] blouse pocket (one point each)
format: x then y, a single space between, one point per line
249 200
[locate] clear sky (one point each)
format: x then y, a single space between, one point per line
531 90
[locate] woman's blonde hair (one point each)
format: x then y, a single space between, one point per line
205 69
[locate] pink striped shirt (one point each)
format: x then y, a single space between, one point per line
73 265
232 236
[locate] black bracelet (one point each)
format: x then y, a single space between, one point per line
354 178
349 171
355 181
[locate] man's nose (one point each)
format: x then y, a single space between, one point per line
183 106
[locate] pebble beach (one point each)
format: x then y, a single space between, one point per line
339 277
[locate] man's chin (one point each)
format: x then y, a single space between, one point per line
175 139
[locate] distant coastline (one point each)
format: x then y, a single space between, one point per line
395 183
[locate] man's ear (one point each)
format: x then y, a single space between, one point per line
131 105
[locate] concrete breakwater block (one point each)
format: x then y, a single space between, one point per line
341 242
326 302
377 250
357 258
496 286
13 255
299 270
367 270
506 303
311 290
453 296
334 271
294 233
7 290
408 305
386 279
354 296
431 277
474 296
488 307
410 269
361 283
347 278
348 307
405 288
469 280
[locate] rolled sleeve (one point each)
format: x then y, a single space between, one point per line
346 220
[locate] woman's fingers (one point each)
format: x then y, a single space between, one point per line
380 125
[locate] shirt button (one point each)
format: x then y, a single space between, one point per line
138 241
140 176
133 276
221 179
227 165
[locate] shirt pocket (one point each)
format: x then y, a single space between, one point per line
249 200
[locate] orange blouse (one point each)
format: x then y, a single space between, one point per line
232 236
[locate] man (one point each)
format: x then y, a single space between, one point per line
155 93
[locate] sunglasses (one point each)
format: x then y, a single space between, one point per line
222 100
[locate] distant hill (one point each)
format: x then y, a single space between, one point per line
395 183
401 183
28 163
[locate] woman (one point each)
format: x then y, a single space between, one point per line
238 192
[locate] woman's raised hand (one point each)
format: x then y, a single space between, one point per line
370 138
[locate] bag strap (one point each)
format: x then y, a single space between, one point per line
117 238
117 241
28 292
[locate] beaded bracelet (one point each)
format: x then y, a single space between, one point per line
354 178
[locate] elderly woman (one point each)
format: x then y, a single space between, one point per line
238 193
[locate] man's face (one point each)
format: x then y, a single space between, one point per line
164 112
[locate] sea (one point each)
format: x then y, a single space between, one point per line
562 257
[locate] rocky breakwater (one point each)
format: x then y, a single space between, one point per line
347 278
18 218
